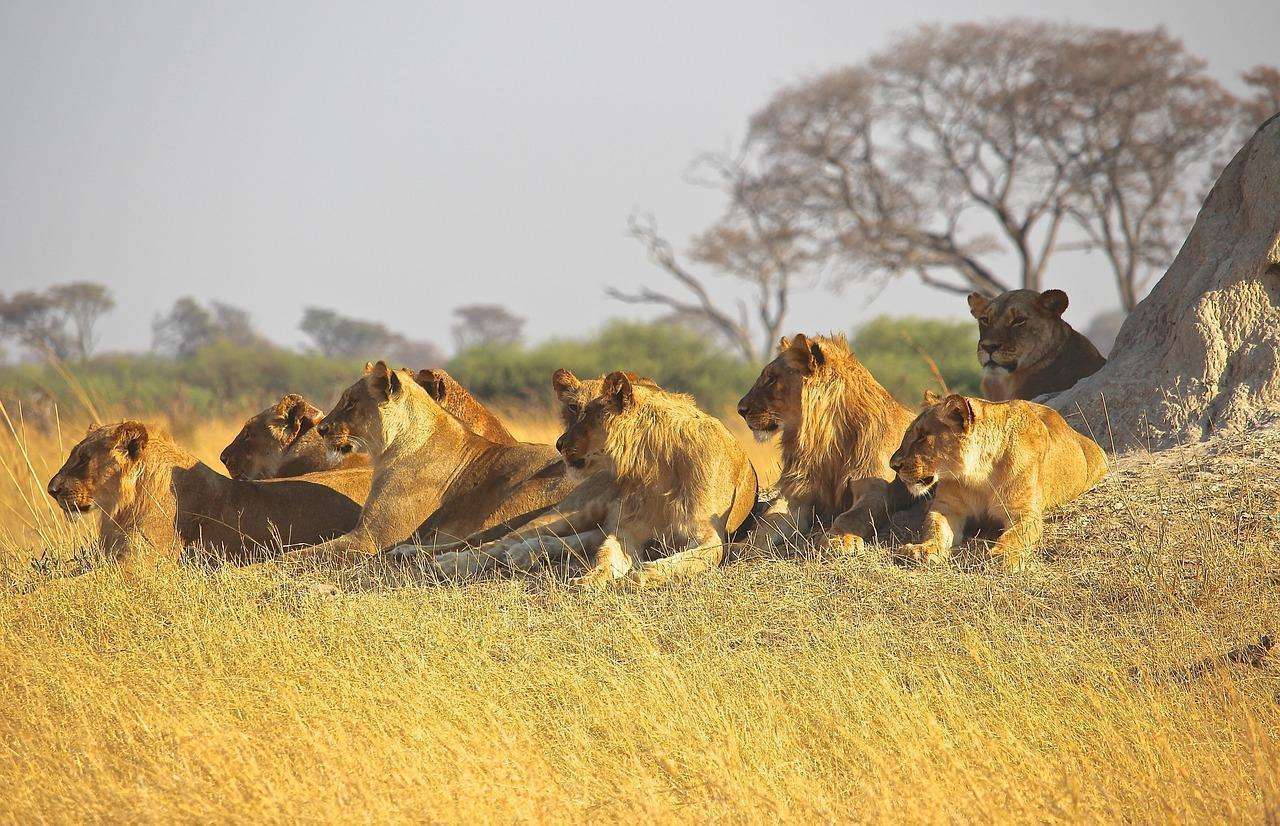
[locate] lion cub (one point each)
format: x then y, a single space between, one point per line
682 479
992 464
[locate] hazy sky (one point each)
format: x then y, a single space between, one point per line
393 160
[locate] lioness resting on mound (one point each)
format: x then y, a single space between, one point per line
433 479
572 527
839 427
152 493
1025 348
282 440
682 480
995 467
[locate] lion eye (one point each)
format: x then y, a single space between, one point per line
1018 322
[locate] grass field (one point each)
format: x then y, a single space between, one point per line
782 689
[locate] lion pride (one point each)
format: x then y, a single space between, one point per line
682 481
1025 347
839 427
151 494
995 467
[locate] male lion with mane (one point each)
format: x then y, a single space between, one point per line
152 493
996 467
1025 347
682 481
839 427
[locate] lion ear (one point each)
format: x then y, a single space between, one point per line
368 367
978 304
617 387
784 344
1053 302
131 438
930 398
384 381
806 355
433 382
959 410
299 411
562 381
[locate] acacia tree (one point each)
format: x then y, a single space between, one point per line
1263 101
482 324
959 144
189 326
82 304
60 321
756 242
336 335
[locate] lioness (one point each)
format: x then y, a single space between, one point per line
995 466
1025 348
682 480
433 479
839 427
151 492
281 441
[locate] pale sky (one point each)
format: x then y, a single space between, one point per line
393 160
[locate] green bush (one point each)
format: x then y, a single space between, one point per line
894 349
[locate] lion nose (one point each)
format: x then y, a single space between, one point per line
743 410
895 462
55 488
560 443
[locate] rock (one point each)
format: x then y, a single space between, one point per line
1201 354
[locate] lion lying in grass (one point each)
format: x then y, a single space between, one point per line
282 441
839 427
153 495
995 467
682 480
433 479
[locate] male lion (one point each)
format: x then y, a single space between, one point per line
839 427
995 467
1025 348
152 493
282 440
682 480
570 527
433 479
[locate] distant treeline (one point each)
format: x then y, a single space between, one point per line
230 379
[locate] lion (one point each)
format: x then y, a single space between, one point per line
151 493
572 527
1025 347
838 428
682 480
994 467
282 441
434 480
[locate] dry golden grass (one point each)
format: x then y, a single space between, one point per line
808 690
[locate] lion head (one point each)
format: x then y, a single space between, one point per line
101 468
1018 328
357 422
775 401
257 450
933 445
583 441
574 394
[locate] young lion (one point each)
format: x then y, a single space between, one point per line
433 479
681 477
282 440
839 427
992 464
152 493
571 527
1025 348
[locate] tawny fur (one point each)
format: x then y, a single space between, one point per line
434 480
838 427
153 496
994 466
682 480
1025 347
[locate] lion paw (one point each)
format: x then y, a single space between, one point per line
843 544
457 565
915 553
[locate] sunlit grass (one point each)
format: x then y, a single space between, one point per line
780 689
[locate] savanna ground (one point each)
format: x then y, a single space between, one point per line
817 689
